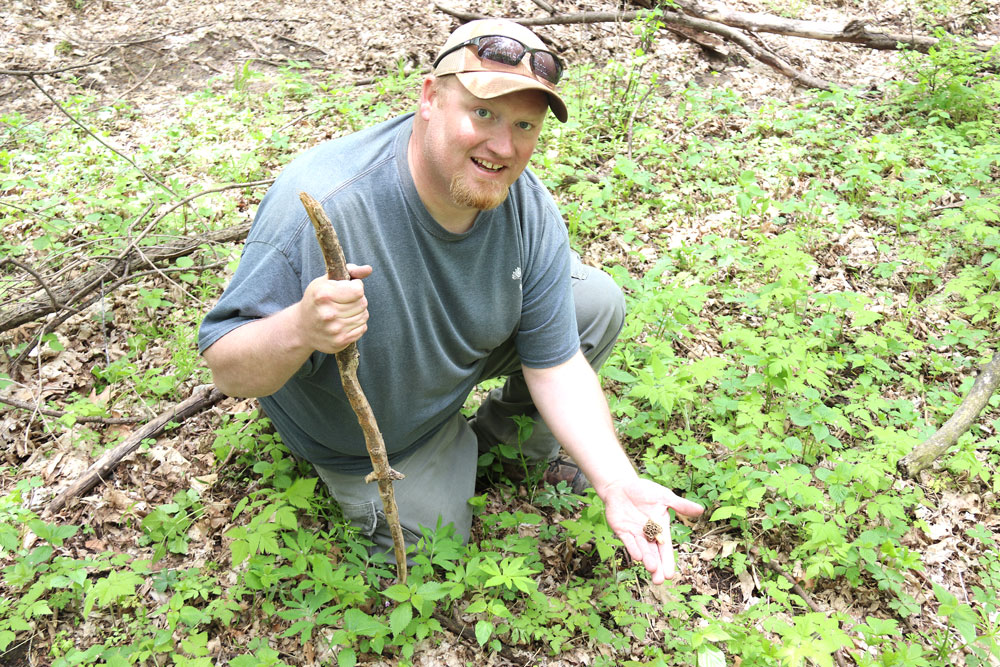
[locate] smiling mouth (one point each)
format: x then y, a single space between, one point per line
488 166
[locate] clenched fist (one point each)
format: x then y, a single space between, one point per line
334 313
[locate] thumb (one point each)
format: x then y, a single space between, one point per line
358 272
684 506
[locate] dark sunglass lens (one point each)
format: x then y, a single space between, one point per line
501 50
545 65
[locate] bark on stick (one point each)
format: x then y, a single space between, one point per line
347 362
926 452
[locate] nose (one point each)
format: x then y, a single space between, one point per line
501 141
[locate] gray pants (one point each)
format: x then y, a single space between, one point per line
441 475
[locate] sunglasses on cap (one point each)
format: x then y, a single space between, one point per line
509 51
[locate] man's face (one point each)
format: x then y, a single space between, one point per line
475 149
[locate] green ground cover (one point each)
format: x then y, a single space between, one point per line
811 286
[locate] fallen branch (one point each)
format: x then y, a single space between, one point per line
13 368
669 18
38 278
34 82
546 6
46 72
202 397
798 590
851 31
69 293
347 362
968 411
24 405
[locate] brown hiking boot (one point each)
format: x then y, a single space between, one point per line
564 470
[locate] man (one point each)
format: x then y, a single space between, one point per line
464 273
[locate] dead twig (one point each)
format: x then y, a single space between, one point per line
14 366
34 82
303 44
25 405
347 362
798 590
46 72
546 6
34 274
852 31
202 397
68 293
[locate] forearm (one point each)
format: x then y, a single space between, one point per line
570 400
258 358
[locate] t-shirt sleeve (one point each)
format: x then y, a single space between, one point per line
264 283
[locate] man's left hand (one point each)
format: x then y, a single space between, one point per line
629 505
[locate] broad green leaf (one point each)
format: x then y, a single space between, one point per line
484 630
301 492
727 512
400 618
360 623
710 656
397 592
240 550
347 657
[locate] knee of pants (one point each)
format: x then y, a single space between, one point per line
600 309
370 520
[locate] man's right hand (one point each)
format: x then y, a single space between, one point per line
334 313
257 358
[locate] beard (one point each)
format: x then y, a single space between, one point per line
481 196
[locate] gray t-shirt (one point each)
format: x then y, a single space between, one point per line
438 302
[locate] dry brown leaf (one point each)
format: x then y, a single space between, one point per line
747 585
96 545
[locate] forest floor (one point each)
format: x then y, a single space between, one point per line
153 53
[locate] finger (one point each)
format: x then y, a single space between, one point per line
632 546
355 334
688 507
683 505
342 292
667 564
359 271
346 325
354 310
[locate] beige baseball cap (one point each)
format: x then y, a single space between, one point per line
486 78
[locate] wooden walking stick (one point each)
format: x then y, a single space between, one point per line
347 362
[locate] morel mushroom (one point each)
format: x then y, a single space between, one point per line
654 532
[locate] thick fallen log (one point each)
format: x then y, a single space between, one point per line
202 397
926 452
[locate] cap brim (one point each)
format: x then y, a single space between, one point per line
488 85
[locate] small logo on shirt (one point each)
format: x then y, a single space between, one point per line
516 275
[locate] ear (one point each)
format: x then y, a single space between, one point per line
428 94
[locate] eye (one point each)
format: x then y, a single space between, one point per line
482 113
525 125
